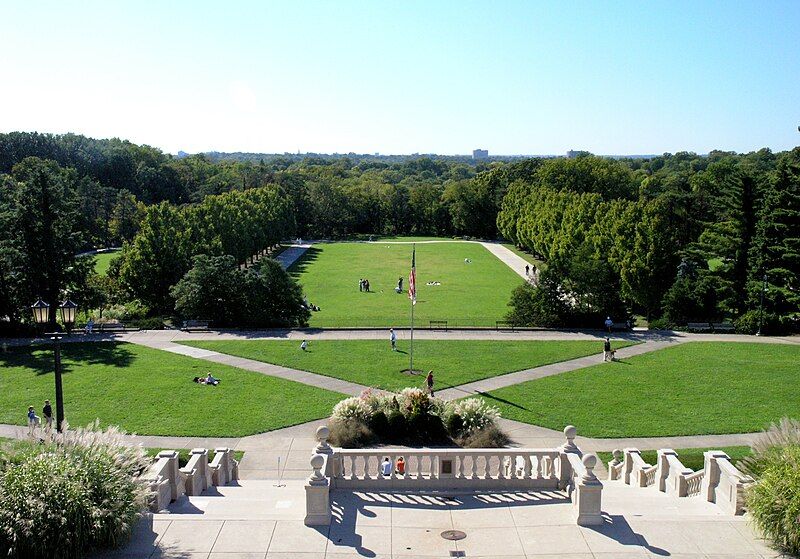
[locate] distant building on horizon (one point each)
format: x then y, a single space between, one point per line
480 154
572 154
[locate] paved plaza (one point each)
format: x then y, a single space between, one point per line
259 519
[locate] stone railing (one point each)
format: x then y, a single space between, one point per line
164 480
495 469
167 482
723 483
718 482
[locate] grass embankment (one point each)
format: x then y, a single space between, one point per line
474 293
690 389
373 363
103 260
147 391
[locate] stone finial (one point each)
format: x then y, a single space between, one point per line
589 462
570 432
322 436
617 454
317 463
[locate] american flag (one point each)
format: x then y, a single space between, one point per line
412 278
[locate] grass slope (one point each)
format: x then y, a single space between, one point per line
474 294
690 457
372 363
103 260
151 392
690 389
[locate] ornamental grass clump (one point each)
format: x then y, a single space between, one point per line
66 497
412 416
774 500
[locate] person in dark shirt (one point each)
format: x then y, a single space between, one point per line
607 355
47 413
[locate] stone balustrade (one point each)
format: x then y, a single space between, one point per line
165 481
723 483
224 468
718 482
495 469
168 482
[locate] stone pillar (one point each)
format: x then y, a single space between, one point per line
627 467
323 433
198 474
662 468
588 494
710 474
223 469
569 447
176 478
613 472
318 506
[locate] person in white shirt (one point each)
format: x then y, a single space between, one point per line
386 467
393 339
304 345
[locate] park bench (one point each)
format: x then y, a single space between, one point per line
504 325
620 326
723 327
112 327
189 325
438 325
698 327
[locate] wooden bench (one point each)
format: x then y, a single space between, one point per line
698 327
110 327
438 325
504 325
723 327
189 325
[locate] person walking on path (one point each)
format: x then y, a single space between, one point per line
527 270
33 422
607 355
47 413
393 339
609 323
429 382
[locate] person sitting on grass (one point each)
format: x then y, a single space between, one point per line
304 345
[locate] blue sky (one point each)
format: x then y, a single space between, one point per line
403 77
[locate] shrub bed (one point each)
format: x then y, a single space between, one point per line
774 500
413 417
66 497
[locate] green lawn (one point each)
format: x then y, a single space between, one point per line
470 294
690 389
690 457
103 260
151 392
373 363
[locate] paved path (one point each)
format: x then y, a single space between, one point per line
509 258
305 377
501 381
292 254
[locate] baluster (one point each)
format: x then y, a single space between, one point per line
527 466
474 459
501 466
351 465
393 458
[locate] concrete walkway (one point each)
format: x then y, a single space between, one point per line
305 377
292 254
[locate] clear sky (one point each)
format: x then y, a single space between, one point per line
524 77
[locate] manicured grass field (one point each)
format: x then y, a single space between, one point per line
151 392
470 294
373 363
689 457
103 260
690 389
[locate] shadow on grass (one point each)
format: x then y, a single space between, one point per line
502 401
41 358
301 264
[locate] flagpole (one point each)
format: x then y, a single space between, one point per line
411 349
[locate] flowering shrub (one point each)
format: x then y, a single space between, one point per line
413 416
351 408
76 493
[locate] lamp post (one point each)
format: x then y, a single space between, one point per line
41 316
761 306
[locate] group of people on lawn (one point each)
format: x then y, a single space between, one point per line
34 421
